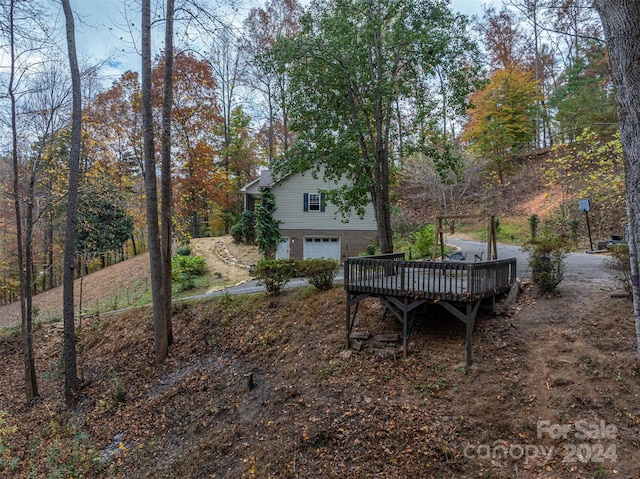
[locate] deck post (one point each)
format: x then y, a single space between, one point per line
348 345
472 311
405 327
469 322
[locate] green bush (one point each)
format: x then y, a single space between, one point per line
275 274
185 270
424 240
546 259
370 250
184 251
244 231
320 272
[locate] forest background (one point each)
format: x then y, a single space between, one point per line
438 120
538 91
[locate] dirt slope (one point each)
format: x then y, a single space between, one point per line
553 393
131 277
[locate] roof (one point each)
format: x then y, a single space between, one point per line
265 180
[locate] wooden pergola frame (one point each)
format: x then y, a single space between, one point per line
492 247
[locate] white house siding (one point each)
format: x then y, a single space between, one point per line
298 226
289 201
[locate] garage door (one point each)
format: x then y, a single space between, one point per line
328 248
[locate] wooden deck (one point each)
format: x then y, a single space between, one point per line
402 286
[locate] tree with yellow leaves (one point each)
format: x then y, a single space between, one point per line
502 122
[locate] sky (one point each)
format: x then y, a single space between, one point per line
472 7
102 32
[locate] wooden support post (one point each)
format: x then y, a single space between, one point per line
405 328
347 345
436 237
468 319
470 322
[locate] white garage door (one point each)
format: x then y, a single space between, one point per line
328 248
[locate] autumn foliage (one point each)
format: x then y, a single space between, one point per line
502 122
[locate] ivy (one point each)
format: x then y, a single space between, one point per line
267 227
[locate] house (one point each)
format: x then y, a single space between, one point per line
311 227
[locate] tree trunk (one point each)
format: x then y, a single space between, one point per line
381 154
621 25
47 274
70 366
30 378
167 194
155 255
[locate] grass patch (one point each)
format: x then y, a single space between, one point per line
509 230
10 331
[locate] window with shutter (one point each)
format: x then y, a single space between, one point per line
313 202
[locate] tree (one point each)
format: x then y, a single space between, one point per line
240 165
578 23
584 95
161 340
263 26
502 122
195 125
31 381
531 10
621 24
445 185
505 42
166 238
113 122
591 167
70 373
103 223
353 64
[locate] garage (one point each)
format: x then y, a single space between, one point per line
319 247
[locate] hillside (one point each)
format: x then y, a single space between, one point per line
126 284
526 191
314 409
256 387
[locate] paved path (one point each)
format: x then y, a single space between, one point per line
580 267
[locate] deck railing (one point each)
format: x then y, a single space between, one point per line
454 281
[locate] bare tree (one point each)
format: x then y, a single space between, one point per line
427 180
31 381
225 66
161 342
70 370
167 102
263 26
35 96
621 24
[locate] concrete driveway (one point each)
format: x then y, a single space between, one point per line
579 266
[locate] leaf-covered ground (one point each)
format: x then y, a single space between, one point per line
553 392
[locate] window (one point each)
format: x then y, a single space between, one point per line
313 202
